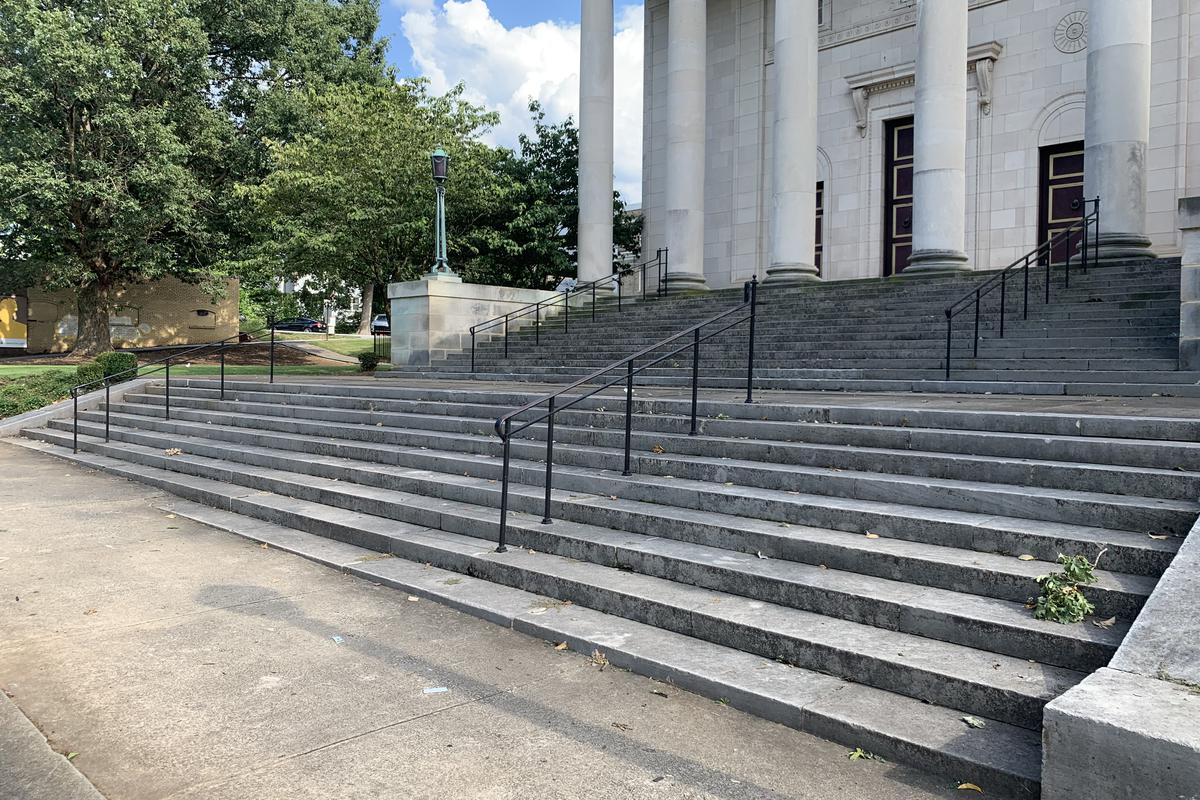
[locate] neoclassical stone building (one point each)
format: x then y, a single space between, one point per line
843 139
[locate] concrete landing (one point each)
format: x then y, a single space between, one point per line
179 661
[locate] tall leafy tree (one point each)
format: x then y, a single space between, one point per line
351 201
105 139
126 125
535 236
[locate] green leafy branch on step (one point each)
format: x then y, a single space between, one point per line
1061 598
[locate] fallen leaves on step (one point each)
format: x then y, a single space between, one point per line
89 612
970 787
561 646
872 535
858 754
173 451
412 599
1158 537
658 449
1105 623
265 546
760 555
1027 557
659 693
599 659
621 726
974 722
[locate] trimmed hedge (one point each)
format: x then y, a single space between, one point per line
89 372
115 363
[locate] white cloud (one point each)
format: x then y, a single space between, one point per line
503 68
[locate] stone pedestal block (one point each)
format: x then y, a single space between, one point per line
432 317
1189 285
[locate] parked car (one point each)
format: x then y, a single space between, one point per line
304 324
381 324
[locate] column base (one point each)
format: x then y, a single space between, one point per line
791 275
1123 247
925 263
679 282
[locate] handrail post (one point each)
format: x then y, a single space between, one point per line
620 293
168 403
107 408
695 379
506 336
75 423
1025 268
566 312
549 462
1049 268
949 333
666 268
1003 300
537 324
1096 245
628 418
472 349
976 350
272 375
223 346
593 301
750 348
504 487
1083 246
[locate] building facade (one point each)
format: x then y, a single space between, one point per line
165 313
847 139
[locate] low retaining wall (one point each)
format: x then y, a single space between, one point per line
1132 730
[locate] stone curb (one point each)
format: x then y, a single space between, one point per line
64 409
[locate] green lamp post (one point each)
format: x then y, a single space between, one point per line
441 171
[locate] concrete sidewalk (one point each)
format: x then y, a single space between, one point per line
178 661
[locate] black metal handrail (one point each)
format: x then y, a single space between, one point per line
660 262
1046 249
164 365
504 424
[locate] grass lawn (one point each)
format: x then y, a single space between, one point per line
346 344
26 387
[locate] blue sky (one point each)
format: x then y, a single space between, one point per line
508 52
511 13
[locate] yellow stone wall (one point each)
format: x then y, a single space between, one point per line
166 312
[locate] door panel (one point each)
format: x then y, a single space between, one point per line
897 195
1060 193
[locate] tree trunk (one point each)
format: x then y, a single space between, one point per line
94 305
368 309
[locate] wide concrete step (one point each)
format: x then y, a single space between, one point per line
1007 577
990 684
1004 757
762 441
1115 420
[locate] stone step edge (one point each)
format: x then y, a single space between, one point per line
909 731
1117 589
790 696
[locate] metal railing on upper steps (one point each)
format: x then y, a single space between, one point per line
1042 255
743 314
164 365
659 263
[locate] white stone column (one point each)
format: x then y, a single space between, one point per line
793 215
596 141
687 51
940 139
1117 127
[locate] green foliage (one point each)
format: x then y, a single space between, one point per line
117 363
351 201
89 372
127 125
531 238
367 362
31 392
1061 599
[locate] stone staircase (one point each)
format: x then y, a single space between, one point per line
1113 332
846 564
